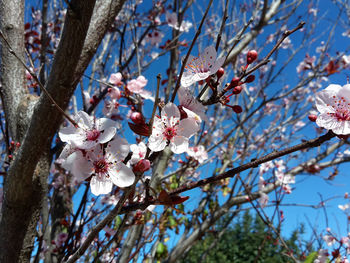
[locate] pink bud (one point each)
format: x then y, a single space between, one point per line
252 55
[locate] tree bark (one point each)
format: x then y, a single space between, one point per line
21 192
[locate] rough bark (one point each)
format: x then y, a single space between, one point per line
21 194
12 74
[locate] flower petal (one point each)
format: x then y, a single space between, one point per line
121 175
179 144
100 186
187 127
119 148
169 110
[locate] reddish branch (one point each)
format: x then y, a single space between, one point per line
253 164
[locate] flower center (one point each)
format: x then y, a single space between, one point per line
101 166
169 133
92 135
341 107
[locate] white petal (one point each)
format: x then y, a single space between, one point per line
333 87
187 79
121 175
217 65
119 148
179 144
67 150
107 135
78 165
68 134
100 186
171 110
187 127
156 143
192 115
324 101
84 118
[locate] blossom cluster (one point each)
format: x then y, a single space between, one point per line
94 150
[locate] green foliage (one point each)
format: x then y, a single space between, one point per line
247 240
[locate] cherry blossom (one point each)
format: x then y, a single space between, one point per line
169 128
330 240
171 19
333 105
155 38
192 107
90 131
264 198
198 153
138 152
111 108
105 165
199 68
136 86
116 79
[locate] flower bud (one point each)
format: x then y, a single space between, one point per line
137 117
237 109
234 82
220 73
252 55
250 79
237 90
312 117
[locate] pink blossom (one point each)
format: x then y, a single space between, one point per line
116 78
89 133
169 128
201 67
155 38
322 256
330 240
136 86
333 105
198 153
105 165
192 107
138 152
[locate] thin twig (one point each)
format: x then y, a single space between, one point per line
189 51
253 164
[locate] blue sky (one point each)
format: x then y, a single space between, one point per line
309 188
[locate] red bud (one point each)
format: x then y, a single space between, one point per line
237 109
137 117
312 117
249 79
252 55
220 73
234 82
237 90
165 199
